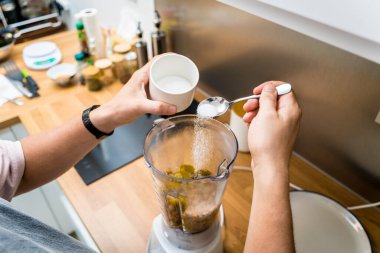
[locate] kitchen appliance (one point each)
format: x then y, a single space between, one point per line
189 192
41 55
31 18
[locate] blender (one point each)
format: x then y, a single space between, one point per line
190 159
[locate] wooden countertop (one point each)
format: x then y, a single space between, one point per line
118 209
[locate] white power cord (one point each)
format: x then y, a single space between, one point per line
221 213
364 206
244 168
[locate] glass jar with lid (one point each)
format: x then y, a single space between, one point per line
131 63
91 75
119 67
122 48
80 58
106 74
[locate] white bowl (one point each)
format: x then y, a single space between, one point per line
62 74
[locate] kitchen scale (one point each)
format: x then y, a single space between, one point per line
41 55
189 196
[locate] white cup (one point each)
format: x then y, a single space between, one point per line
239 127
173 79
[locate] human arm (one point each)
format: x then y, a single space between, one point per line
274 124
48 155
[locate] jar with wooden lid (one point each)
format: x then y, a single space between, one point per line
91 75
106 73
119 68
122 48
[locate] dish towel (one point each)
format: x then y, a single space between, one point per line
7 90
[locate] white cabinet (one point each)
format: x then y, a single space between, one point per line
350 25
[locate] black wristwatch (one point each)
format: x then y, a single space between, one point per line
90 127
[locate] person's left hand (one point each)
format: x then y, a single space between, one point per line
130 103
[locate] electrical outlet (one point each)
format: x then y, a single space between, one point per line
377 120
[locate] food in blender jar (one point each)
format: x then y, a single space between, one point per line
187 171
176 207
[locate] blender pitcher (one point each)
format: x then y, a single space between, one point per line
191 159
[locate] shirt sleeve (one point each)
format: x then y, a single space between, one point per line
12 165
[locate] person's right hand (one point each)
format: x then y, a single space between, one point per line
273 127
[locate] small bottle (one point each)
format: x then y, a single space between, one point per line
106 73
83 42
108 43
92 76
141 48
92 48
81 64
158 37
119 67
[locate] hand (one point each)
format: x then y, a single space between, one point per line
130 103
273 127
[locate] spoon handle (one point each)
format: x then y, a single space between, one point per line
281 90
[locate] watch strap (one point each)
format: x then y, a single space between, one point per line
89 126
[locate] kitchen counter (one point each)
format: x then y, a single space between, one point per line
118 209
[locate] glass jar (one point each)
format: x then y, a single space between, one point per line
106 74
121 48
131 63
119 67
91 75
80 58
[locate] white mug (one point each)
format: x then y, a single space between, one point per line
173 79
238 126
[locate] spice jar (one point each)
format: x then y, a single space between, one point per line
92 76
119 68
81 64
131 63
106 74
121 48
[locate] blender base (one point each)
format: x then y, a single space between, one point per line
159 242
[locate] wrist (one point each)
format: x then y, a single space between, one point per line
103 118
270 171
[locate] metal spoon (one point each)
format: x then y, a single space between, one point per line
216 106
14 101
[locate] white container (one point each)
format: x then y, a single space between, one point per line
62 74
239 127
173 79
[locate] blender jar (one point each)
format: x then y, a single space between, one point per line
191 159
